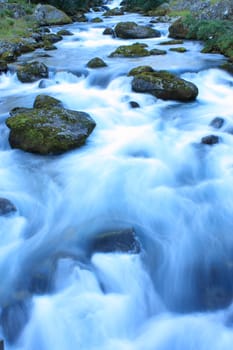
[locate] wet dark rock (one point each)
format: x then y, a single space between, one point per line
131 30
96 63
157 52
45 101
49 47
6 207
134 104
165 85
44 83
108 31
1 345
48 130
50 15
13 320
228 67
210 140
123 241
52 38
79 17
217 122
134 50
9 51
64 32
172 42
3 67
31 72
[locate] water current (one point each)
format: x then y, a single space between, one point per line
143 168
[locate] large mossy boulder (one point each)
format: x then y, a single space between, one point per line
122 241
31 72
49 128
178 29
165 85
50 15
134 50
131 30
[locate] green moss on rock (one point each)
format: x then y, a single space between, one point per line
96 63
134 50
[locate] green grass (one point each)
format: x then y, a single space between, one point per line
13 29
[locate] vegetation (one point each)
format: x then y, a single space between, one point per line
144 5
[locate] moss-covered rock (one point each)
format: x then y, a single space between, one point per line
50 15
157 52
134 50
117 11
172 42
165 85
131 30
178 29
96 63
31 72
108 31
96 20
52 130
64 32
140 70
45 101
178 49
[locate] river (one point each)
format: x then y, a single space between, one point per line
143 168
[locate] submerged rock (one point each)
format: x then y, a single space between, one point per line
108 31
134 50
134 104
50 15
1 345
31 72
165 85
131 30
64 32
96 63
48 128
157 52
3 67
6 207
123 241
217 122
210 140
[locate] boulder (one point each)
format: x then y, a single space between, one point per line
178 29
6 207
108 31
96 63
210 140
131 30
134 50
165 85
50 15
50 129
31 72
123 241
96 20
140 69
8 51
51 38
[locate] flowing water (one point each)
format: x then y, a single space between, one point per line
143 168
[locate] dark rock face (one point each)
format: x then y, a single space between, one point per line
210 140
131 30
217 122
64 32
134 104
6 207
165 85
96 63
50 15
124 241
3 67
108 31
31 72
51 130
1 345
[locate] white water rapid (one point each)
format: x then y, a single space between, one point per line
142 168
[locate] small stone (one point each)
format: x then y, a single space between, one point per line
108 31
210 140
217 122
134 104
